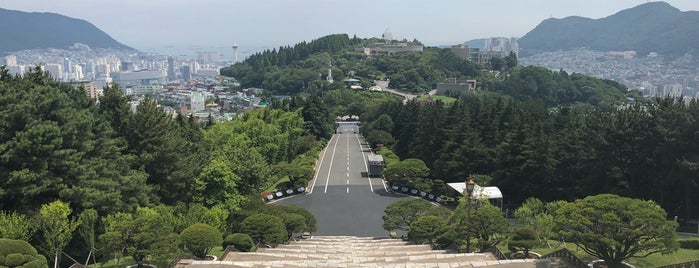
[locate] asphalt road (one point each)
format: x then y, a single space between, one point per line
343 199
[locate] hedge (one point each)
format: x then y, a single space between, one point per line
689 243
239 241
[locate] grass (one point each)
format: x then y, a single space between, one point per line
126 261
655 260
445 99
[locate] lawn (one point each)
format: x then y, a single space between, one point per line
655 260
446 100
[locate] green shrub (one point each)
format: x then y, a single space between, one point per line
8 246
40 262
18 253
239 241
523 239
14 259
301 182
689 243
199 238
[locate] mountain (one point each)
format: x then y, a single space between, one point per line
476 43
23 30
651 27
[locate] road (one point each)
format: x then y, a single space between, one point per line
342 198
384 86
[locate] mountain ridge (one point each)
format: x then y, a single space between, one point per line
41 30
650 27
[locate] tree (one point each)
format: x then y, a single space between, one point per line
56 227
88 220
158 141
538 216
310 220
486 223
145 233
200 238
15 226
615 228
523 239
402 213
427 228
265 229
408 169
293 223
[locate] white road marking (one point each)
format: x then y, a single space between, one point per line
332 158
348 190
366 167
347 181
315 178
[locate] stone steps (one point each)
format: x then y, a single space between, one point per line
349 251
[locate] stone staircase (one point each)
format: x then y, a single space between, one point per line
351 251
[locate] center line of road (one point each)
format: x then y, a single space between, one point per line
348 190
347 181
348 175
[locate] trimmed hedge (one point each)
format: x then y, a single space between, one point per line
239 241
689 243
16 253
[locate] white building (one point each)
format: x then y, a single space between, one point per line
56 70
11 60
197 101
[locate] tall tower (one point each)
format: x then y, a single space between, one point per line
235 53
171 69
330 74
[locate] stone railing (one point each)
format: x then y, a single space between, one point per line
173 263
568 257
497 253
691 264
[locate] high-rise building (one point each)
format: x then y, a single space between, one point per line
126 66
79 75
208 56
186 73
171 69
11 60
142 77
502 45
464 52
16 69
67 68
56 70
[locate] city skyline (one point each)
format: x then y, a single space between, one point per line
146 25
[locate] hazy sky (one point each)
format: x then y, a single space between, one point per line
145 24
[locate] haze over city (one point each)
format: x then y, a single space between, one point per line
153 24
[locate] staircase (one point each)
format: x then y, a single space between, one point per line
350 251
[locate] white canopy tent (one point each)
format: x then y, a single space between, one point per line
490 192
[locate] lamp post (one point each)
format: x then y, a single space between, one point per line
470 184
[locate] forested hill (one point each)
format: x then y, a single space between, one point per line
304 68
23 30
651 27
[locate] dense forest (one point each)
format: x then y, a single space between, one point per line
642 150
80 176
304 67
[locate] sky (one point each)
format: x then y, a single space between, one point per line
147 24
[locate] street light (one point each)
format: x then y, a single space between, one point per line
470 184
